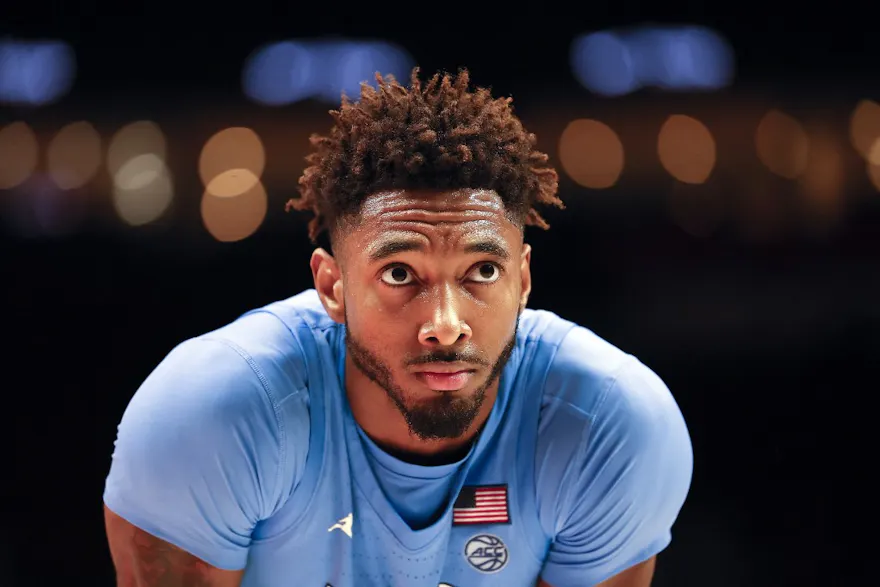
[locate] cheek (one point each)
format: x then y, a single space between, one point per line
494 327
371 317
381 329
502 306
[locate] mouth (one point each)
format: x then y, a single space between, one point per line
445 377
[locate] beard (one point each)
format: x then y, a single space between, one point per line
443 416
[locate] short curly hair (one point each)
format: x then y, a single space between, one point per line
440 135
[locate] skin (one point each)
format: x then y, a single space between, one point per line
419 279
465 278
142 560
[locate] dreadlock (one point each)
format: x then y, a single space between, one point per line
436 136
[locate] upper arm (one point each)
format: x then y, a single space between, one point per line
617 499
200 454
142 560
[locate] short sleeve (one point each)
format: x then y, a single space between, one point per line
198 455
625 488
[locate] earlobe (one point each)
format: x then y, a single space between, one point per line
328 283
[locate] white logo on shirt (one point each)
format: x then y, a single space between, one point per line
344 524
486 553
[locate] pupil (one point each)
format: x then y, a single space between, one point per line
487 271
398 274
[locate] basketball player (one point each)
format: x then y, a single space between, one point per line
408 421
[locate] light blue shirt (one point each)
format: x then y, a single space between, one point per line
241 449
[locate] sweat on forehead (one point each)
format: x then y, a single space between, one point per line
461 205
467 219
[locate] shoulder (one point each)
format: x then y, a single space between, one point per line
200 452
590 381
276 341
602 409
243 383
575 366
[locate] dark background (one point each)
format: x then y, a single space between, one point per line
764 328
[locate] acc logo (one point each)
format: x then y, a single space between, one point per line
486 553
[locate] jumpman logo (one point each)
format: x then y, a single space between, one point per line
344 524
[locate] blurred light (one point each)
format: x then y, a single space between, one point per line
591 153
782 144
874 174
602 63
231 183
689 58
289 71
823 179
138 138
35 72
18 154
864 127
142 189
74 155
234 219
874 153
232 149
686 149
280 73
358 63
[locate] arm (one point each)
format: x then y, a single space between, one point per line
639 575
198 463
142 560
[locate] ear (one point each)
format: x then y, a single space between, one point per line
328 283
525 270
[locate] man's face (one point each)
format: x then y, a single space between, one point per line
433 284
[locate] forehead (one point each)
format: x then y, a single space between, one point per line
433 206
440 219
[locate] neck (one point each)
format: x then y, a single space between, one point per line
380 419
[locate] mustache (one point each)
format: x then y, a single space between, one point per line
450 356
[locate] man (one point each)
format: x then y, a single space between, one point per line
406 422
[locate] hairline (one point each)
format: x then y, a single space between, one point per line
346 222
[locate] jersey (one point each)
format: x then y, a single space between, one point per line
241 448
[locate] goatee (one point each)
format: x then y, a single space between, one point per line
444 416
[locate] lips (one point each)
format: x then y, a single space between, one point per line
445 381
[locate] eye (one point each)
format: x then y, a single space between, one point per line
397 275
485 273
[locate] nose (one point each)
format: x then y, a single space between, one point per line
446 326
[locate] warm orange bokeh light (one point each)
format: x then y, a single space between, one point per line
18 154
74 155
235 148
133 140
782 144
686 149
236 218
591 153
232 183
874 175
864 127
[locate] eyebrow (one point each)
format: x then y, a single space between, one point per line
394 247
493 248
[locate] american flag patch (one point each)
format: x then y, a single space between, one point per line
484 504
